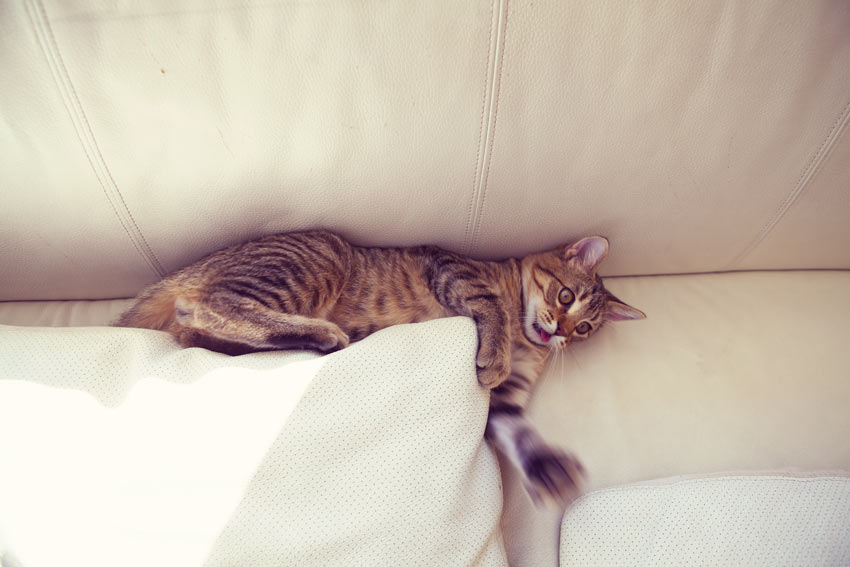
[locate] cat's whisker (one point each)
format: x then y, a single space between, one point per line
548 354
578 364
557 365
555 362
555 355
563 372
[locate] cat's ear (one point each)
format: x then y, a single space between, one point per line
616 310
588 252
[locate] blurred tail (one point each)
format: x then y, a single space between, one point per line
153 309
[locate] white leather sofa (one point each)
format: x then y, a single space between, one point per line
708 141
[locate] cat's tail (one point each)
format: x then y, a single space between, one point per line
153 309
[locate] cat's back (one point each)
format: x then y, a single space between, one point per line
277 267
310 249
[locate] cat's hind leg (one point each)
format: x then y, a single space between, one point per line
233 324
188 337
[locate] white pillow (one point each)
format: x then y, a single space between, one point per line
734 521
119 448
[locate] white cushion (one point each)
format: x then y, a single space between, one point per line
734 521
118 448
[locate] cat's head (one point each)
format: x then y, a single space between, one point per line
564 299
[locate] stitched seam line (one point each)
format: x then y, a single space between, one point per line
50 49
498 64
809 172
472 198
489 108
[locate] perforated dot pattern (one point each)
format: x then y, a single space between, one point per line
380 461
729 521
404 475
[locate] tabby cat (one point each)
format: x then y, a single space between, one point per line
313 290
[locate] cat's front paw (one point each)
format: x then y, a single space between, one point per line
333 339
551 475
492 367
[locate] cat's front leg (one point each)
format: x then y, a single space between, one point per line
464 288
493 361
547 473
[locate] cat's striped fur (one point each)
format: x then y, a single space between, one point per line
314 290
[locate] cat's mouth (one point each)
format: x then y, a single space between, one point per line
541 332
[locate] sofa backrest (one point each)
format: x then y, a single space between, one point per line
697 136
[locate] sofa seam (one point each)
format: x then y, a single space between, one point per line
810 171
73 106
476 231
480 127
490 108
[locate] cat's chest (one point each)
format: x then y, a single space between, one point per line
527 360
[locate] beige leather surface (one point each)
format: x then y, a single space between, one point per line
62 313
699 137
746 371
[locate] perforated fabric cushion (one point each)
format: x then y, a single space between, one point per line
731 521
118 448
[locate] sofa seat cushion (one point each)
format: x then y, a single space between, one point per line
119 448
81 313
733 521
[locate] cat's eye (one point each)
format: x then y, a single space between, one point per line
583 328
566 296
